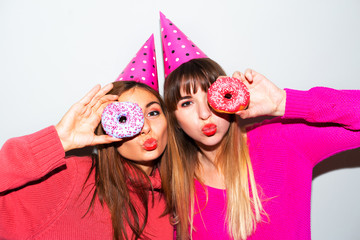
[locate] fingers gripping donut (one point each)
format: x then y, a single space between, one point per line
122 119
228 95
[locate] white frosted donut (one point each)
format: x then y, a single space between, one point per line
122 119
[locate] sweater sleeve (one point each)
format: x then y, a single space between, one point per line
28 158
35 184
322 121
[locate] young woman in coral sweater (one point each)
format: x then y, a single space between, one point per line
47 192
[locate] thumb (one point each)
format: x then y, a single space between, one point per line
105 139
248 113
244 114
237 75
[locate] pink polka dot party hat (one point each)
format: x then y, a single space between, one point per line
177 47
142 68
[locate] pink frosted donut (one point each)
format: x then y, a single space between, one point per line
122 119
228 95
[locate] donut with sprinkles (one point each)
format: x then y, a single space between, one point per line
228 95
122 119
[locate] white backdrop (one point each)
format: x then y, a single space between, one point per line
53 52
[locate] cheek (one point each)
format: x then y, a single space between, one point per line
162 143
185 121
159 125
222 119
161 130
189 129
223 124
127 149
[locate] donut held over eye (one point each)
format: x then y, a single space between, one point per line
228 95
122 119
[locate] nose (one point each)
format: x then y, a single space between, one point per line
146 128
204 110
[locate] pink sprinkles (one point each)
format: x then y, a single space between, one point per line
133 114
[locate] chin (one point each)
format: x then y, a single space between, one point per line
210 141
152 155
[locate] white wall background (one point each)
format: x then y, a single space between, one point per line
53 52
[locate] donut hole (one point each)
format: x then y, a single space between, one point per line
122 119
228 96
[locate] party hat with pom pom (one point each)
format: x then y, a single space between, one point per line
177 47
142 68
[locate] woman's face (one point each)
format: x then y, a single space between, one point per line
199 121
150 143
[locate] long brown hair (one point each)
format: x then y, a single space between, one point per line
244 207
120 183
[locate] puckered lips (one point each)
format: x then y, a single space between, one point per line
150 144
209 129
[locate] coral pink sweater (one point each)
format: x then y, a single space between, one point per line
317 124
41 194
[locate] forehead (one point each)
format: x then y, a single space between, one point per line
138 95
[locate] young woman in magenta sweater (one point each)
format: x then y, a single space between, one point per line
46 192
249 182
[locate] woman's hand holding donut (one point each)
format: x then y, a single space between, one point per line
266 99
76 128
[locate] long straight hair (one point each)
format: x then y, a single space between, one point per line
120 183
244 207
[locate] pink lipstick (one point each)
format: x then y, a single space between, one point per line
209 129
150 144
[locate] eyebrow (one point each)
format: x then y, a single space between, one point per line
185 97
151 103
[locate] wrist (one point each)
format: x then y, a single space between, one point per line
66 146
280 103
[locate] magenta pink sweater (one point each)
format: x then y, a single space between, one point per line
41 194
317 124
